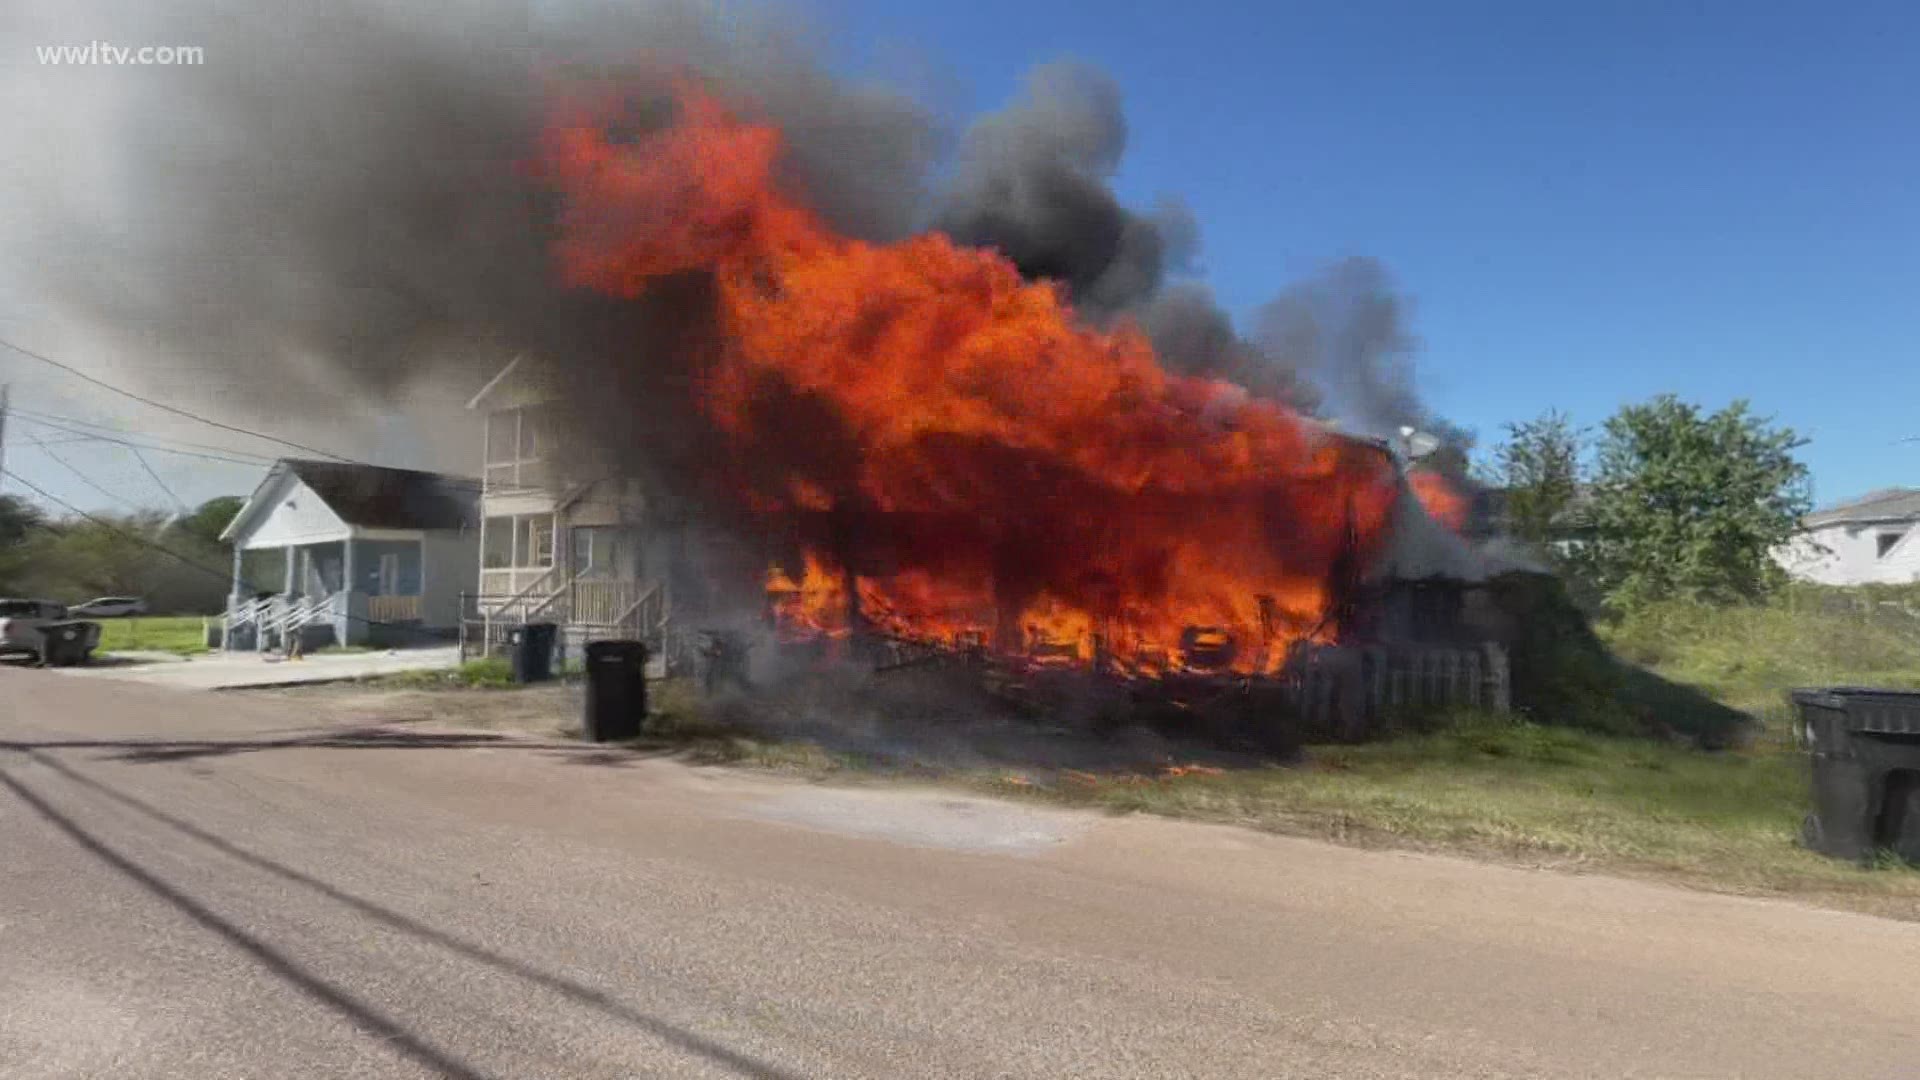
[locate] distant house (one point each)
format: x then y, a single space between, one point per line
360 556
1874 539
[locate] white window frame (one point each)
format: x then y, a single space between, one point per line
514 460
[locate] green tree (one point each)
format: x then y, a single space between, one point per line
1537 466
20 520
1687 504
211 518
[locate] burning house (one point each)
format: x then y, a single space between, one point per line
782 362
913 444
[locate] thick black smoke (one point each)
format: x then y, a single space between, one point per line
334 210
1034 181
335 206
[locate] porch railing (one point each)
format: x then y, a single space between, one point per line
393 609
586 608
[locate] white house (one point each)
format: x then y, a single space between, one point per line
364 555
584 554
1874 539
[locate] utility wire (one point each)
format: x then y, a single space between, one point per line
123 429
176 410
69 466
141 458
48 420
88 436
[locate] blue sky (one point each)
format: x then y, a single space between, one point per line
1588 204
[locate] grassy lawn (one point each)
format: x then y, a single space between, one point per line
1490 786
1536 795
184 635
1750 656
487 673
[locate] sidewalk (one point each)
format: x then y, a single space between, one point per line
240 670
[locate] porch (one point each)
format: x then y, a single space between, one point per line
585 608
352 591
586 577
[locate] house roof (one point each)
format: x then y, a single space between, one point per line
372 496
493 383
1887 504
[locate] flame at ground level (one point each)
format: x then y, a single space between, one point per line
940 449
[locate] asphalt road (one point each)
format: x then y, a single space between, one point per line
204 886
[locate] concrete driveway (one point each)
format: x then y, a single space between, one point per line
199 886
239 670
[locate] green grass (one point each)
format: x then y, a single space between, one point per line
1530 791
183 635
1750 656
487 673
1527 792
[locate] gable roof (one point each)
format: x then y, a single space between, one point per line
371 496
1887 504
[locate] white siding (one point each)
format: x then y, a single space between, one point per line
1849 554
298 516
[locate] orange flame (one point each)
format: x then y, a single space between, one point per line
992 470
1440 500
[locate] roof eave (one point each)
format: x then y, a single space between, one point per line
494 383
243 520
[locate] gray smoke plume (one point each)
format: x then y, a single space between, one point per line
1346 329
331 215
1194 336
1034 182
334 207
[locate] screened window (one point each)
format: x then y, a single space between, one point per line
499 544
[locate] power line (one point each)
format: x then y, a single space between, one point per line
245 458
176 410
88 436
177 500
69 466
123 429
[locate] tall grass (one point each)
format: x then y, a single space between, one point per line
1750 656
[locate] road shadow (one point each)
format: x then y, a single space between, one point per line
382 1025
365 738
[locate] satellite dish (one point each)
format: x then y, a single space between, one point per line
1419 444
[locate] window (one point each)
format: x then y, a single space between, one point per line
596 552
503 437
514 439
530 434
525 541
498 554
536 541
1886 542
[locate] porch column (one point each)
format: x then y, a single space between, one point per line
239 590
293 556
349 630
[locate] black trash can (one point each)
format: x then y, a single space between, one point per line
616 690
64 644
1864 745
530 649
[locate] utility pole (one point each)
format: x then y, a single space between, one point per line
6 390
